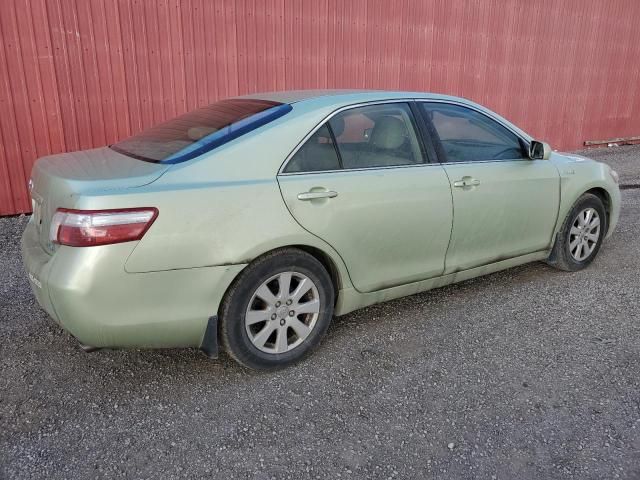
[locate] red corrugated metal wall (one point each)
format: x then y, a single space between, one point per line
75 74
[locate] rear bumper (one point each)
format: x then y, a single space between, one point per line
37 264
88 292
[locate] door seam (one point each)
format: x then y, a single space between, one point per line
453 214
346 267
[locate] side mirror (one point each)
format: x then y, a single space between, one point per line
539 150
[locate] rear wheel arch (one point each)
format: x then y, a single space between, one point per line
327 262
320 255
271 265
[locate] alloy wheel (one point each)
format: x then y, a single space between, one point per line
584 234
282 312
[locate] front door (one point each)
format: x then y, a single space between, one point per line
505 204
373 198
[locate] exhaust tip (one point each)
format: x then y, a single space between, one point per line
88 348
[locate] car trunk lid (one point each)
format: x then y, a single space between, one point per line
57 180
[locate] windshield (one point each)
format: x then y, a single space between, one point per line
200 131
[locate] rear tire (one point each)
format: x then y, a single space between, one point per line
277 310
581 235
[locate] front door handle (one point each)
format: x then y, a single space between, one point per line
466 182
316 195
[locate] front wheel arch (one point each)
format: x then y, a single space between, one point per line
604 196
559 256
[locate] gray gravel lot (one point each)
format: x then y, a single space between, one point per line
528 373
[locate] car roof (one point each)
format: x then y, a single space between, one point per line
334 96
331 99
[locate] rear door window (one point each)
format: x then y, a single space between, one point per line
361 137
201 130
376 136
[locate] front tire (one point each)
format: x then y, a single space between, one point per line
581 235
277 310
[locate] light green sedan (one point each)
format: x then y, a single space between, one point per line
250 223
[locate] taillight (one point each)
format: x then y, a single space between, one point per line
88 228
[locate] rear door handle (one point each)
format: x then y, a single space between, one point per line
316 195
466 182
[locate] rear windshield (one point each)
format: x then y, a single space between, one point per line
200 131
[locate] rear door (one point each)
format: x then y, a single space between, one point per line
505 204
360 182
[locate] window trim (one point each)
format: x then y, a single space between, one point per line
415 123
427 143
437 144
334 143
299 147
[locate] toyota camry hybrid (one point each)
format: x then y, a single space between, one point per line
251 222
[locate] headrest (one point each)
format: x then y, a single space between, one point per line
388 133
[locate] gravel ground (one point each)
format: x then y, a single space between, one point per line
528 373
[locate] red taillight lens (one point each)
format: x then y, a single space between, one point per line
88 228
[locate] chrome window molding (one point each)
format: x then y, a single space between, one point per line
361 169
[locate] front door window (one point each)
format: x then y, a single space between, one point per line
470 136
